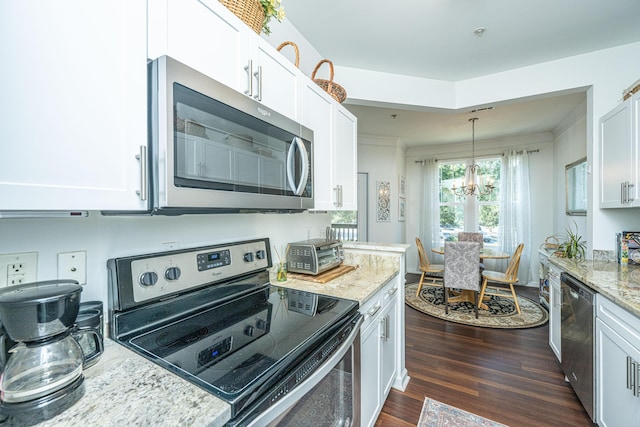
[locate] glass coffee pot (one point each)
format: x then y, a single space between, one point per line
43 371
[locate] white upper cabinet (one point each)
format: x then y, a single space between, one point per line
209 38
335 149
619 163
74 87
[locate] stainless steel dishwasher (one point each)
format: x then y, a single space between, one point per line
576 330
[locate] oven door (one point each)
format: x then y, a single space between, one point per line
330 396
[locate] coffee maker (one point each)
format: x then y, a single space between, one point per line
42 375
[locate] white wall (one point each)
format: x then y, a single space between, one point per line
105 237
381 160
569 145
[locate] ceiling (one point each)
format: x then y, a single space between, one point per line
437 39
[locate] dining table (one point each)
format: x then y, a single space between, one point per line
467 295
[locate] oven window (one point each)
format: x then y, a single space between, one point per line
329 403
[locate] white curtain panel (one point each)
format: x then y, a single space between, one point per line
515 212
430 212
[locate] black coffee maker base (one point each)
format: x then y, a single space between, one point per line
44 408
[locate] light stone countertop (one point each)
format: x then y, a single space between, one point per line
620 284
125 389
373 272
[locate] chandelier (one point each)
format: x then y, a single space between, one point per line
472 185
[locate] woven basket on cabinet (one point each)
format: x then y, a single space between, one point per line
295 48
336 91
250 11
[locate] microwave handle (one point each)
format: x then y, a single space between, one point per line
299 188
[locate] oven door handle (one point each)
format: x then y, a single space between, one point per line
273 412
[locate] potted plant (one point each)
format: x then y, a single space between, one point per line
573 246
272 9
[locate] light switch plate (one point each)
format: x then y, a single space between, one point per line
73 265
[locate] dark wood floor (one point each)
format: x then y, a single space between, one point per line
509 376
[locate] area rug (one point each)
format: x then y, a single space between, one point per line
501 314
438 414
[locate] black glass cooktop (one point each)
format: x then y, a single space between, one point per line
239 347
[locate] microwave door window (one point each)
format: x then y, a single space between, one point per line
219 147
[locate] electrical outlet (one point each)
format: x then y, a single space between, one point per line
16 269
73 266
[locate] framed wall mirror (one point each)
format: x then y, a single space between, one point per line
576 191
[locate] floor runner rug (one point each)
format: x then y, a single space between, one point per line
438 414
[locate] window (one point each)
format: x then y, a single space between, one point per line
480 213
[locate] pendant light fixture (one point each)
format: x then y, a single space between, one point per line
472 185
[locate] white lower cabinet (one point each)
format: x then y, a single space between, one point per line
555 307
617 366
378 344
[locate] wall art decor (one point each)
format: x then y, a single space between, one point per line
401 208
383 208
402 187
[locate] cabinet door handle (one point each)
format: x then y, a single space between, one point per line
258 75
629 198
249 69
384 323
143 172
373 310
391 292
632 375
636 376
336 192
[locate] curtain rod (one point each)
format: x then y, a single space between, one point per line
537 150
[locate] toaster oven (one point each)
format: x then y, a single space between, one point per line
314 256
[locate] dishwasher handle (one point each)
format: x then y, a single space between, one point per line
577 289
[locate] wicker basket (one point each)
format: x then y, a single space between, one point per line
295 48
336 91
550 244
627 93
250 11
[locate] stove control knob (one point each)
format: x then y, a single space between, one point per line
261 324
149 278
172 273
248 257
248 331
261 254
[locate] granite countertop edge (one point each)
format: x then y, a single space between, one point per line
372 272
618 283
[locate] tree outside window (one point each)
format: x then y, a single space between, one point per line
473 213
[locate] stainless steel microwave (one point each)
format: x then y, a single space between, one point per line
213 149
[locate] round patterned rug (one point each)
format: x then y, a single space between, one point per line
501 314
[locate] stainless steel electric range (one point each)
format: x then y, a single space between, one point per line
209 315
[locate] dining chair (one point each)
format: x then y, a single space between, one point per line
432 271
501 280
461 269
468 236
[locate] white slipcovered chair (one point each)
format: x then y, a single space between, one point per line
461 269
